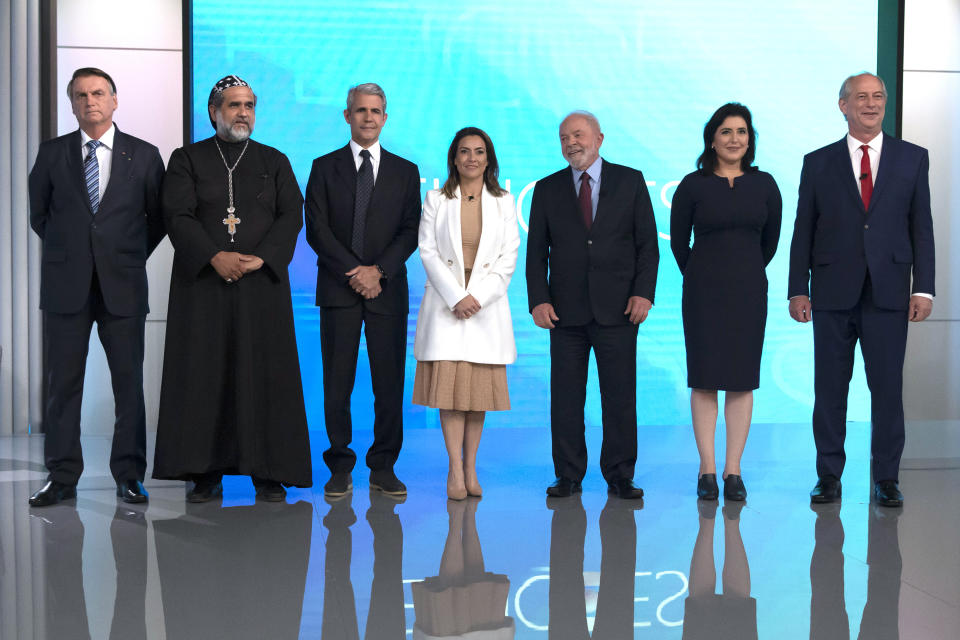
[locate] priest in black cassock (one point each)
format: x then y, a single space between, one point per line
231 401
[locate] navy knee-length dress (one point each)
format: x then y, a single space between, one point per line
735 233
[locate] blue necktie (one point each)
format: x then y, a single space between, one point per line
91 174
362 203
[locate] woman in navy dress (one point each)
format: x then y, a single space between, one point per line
734 212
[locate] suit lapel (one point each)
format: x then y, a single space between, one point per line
841 160
489 215
454 228
573 204
122 157
347 170
888 160
384 187
75 164
606 181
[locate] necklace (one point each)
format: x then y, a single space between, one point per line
231 221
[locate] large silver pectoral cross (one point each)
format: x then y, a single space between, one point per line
231 221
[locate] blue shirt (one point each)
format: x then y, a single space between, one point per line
594 172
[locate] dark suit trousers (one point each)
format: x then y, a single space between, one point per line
66 338
615 348
883 340
387 350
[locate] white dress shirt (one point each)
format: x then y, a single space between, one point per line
104 154
374 150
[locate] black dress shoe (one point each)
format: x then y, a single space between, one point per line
270 490
707 488
205 491
624 488
564 488
828 489
887 493
386 480
338 485
733 488
52 493
132 491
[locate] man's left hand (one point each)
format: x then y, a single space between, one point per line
637 308
920 308
365 280
250 263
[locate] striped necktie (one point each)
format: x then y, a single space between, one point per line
91 174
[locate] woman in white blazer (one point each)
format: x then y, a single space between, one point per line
468 243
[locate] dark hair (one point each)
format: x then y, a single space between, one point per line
86 72
491 174
707 161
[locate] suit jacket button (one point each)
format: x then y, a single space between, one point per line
449 262
589 242
486 265
866 226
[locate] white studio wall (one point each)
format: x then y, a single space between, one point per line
931 89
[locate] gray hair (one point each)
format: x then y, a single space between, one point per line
847 87
589 117
369 89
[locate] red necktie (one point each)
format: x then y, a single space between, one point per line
866 177
586 200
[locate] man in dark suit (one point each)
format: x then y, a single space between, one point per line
863 228
362 218
94 201
591 273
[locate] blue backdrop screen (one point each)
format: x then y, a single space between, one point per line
652 72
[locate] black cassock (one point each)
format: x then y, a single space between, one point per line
231 400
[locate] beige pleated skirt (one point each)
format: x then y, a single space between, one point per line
461 386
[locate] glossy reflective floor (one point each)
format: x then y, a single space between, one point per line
512 565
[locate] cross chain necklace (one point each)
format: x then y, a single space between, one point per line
231 220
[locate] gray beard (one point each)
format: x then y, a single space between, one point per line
232 134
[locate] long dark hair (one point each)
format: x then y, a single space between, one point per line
707 161
491 174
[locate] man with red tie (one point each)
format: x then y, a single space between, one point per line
863 228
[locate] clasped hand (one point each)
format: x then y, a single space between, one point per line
365 281
231 265
466 307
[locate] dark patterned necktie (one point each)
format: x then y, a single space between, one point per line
586 200
364 190
91 174
866 177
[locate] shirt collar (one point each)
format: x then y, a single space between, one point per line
374 150
853 144
593 171
106 139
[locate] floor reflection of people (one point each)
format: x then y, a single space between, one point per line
128 535
828 613
464 600
707 614
236 572
64 605
339 605
386 618
568 596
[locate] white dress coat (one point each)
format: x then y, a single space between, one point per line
487 336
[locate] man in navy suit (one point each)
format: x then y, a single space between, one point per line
94 201
362 217
863 228
592 260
